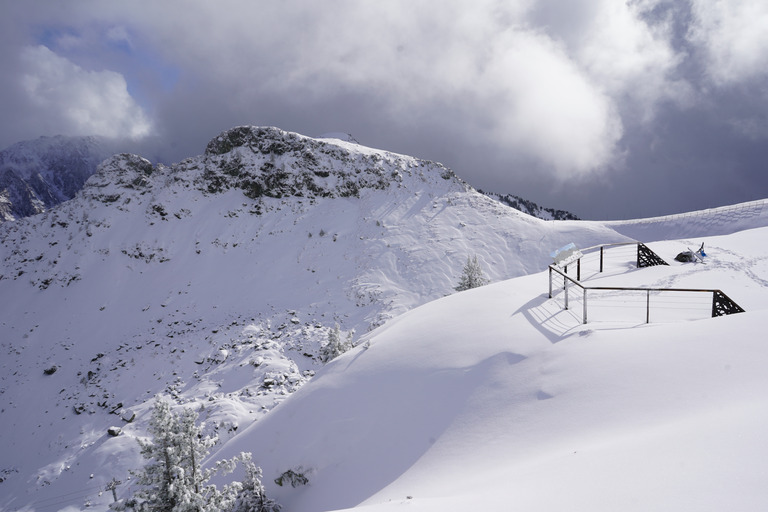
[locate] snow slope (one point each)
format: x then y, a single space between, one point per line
216 281
498 399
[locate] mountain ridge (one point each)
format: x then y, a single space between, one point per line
38 174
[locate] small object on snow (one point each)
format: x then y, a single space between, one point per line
114 431
295 478
566 255
691 256
127 415
51 370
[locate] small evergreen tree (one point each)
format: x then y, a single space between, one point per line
253 497
473 275
174 480
335 346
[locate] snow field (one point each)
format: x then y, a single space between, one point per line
608 415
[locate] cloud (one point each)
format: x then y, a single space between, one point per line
629 53
70 100
520 93
544 106
734 38
531 79
418 67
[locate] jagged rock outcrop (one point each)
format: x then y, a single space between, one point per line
266 162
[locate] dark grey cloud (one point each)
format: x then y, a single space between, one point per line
588 105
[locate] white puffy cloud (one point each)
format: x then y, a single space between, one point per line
430 64
493 88
631 56
547 108
734 37
66 98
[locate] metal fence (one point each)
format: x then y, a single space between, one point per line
713 302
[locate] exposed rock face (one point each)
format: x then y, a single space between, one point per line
273 163
532 208
267 163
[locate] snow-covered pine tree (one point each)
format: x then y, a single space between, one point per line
473 275
253 497
174 480
335 346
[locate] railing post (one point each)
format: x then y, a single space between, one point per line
585 305
648 306
578 269
550 281
566 293
601 259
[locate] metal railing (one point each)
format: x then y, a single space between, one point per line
645 256
721 303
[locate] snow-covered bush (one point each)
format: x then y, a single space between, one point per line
335 346
253 497
173 480
473 275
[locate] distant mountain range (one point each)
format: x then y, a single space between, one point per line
38 174
532 208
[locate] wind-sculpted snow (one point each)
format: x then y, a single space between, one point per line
216 280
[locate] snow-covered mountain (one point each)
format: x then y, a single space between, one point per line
217 280
38 174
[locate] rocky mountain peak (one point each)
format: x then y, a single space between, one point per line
269 162
262 139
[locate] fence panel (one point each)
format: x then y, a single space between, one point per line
630 304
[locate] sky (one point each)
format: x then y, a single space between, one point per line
608 109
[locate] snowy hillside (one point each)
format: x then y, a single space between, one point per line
38 174
217 280
498 399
